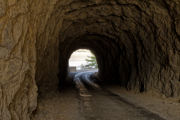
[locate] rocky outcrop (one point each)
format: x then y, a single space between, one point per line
137 44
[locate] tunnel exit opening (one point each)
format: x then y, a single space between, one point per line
107 53
82 60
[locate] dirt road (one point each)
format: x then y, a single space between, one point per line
88 101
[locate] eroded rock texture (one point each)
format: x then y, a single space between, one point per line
137 44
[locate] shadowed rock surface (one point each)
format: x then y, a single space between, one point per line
136 43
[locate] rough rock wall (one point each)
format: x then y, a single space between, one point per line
18 91
36 38
20 25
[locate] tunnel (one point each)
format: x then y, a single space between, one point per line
136 44
101 46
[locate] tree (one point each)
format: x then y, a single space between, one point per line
91 62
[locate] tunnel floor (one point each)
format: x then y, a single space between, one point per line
89 101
